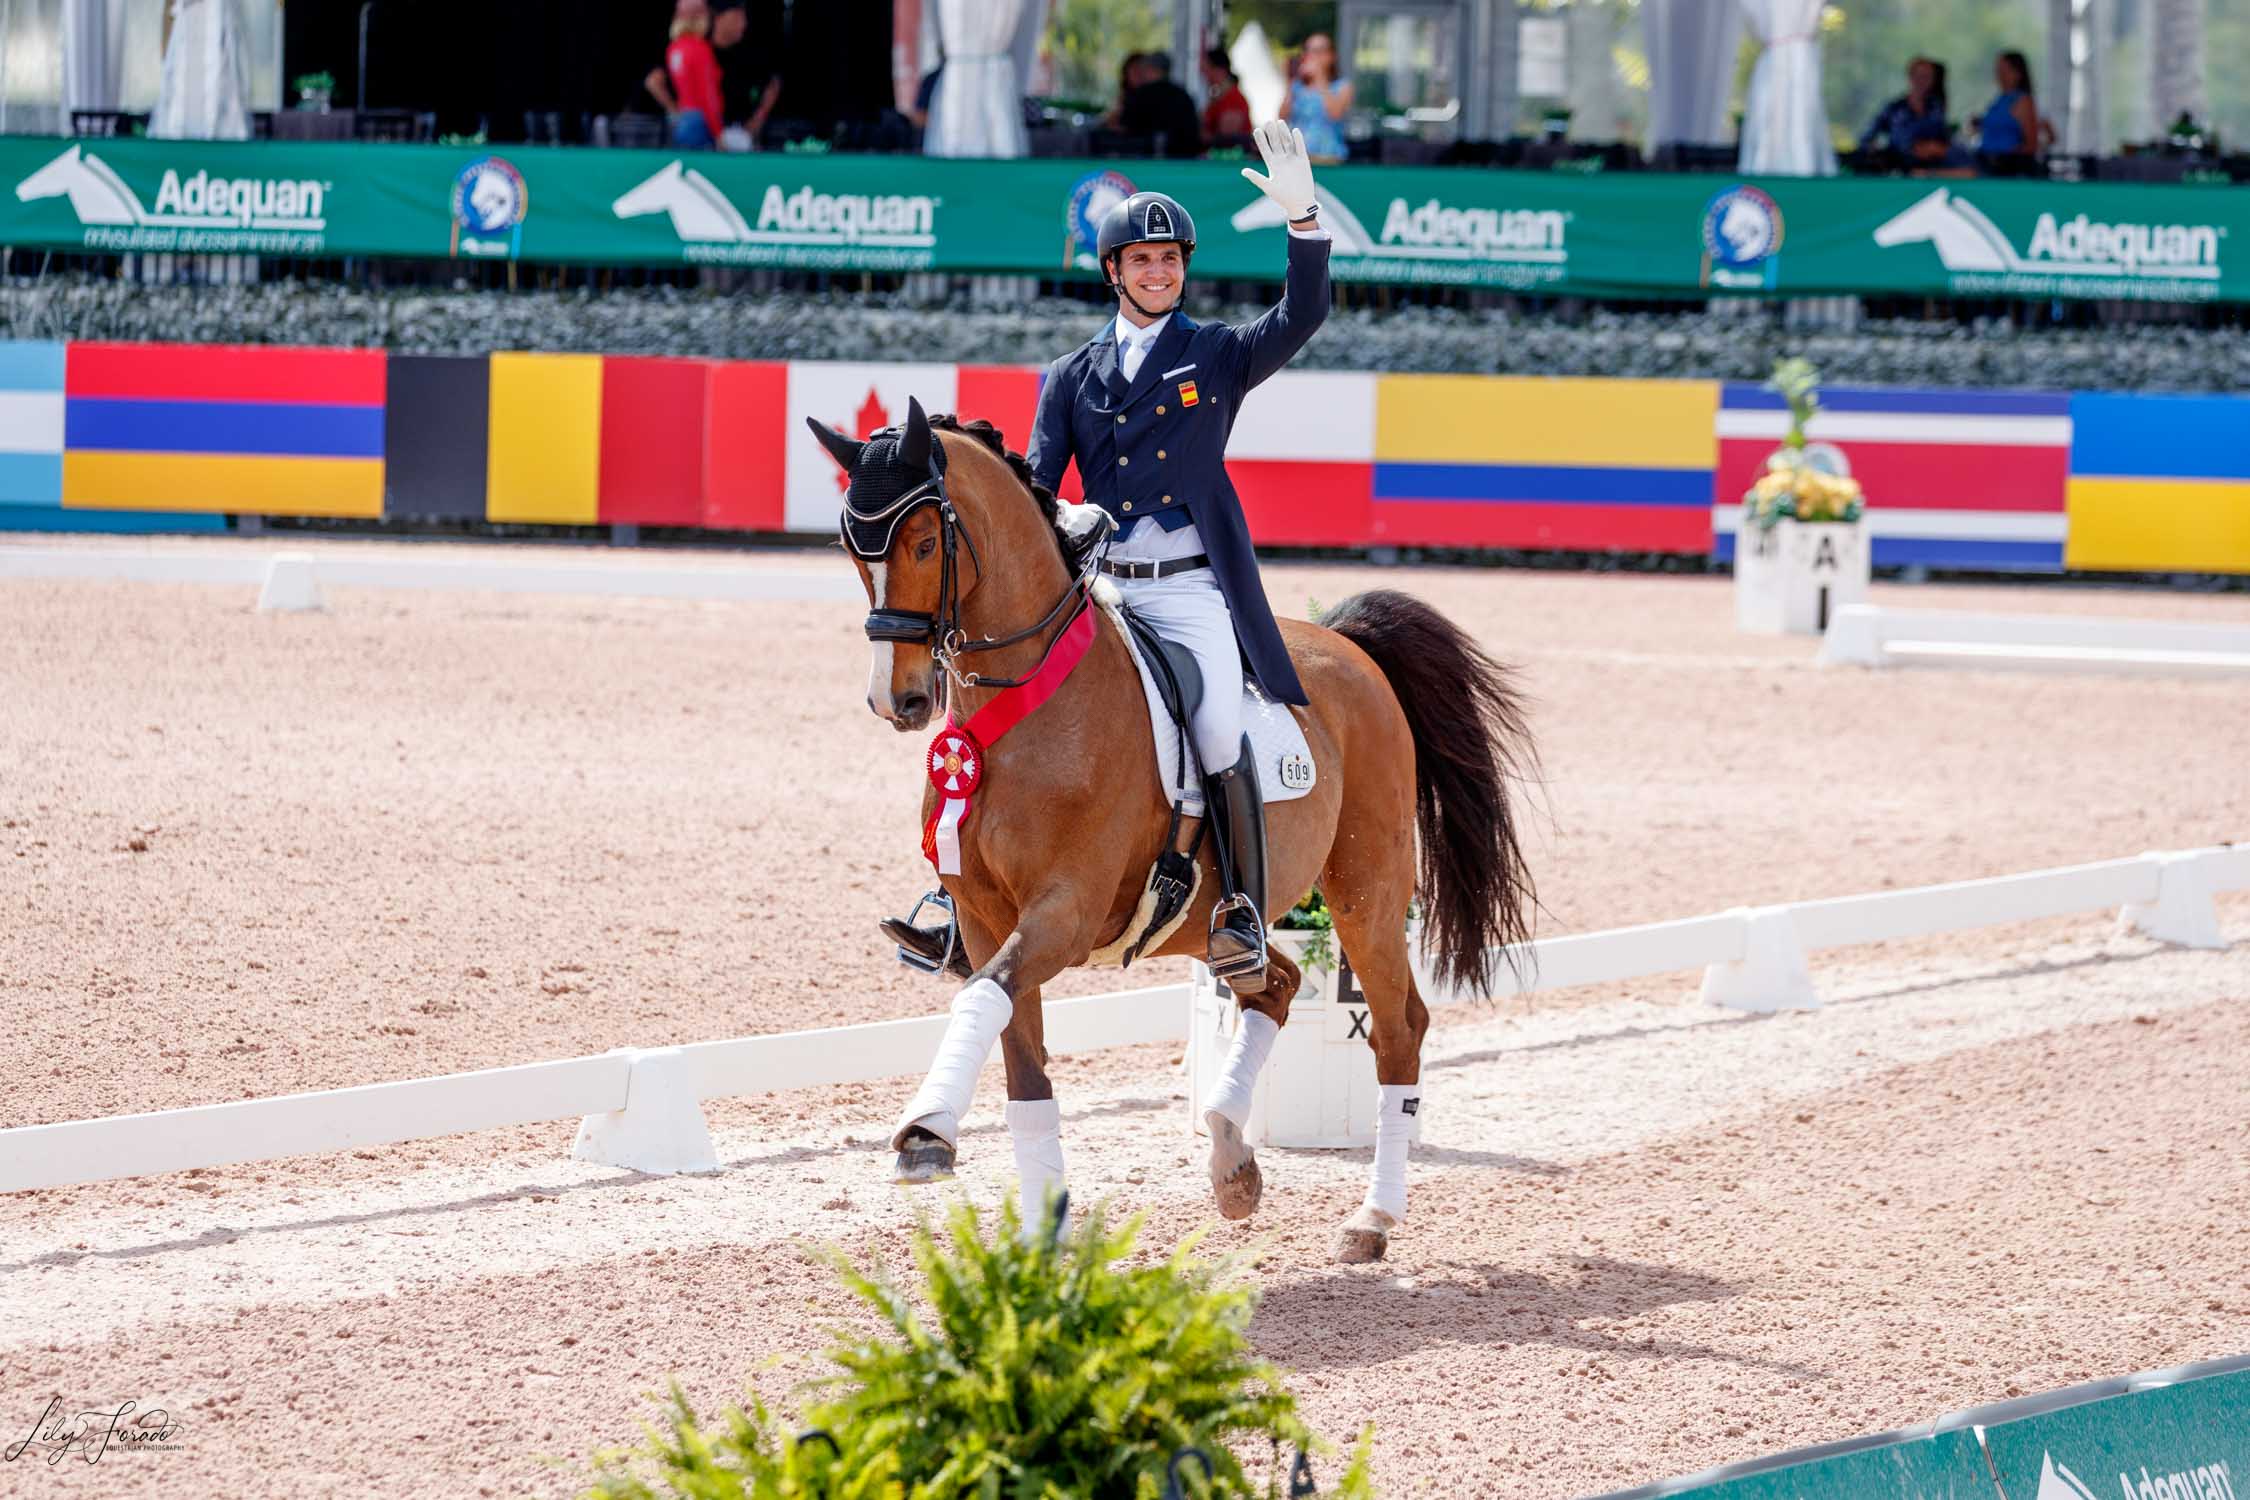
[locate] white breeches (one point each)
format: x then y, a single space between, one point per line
1189 609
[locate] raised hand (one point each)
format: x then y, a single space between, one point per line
1288 176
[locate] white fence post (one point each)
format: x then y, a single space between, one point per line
290 585
1771 974
2183 911
1854 638
661 1129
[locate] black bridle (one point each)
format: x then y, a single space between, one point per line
940 629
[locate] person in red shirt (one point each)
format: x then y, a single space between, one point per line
693 69
1227 116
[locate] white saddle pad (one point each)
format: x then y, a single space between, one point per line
1277 740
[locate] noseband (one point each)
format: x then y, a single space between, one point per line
869 534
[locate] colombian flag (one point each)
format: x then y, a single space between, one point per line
291 432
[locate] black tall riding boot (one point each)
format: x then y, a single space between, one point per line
1236 807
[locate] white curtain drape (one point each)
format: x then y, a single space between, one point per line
978 107
1784 124
1691 46
203 95
93 48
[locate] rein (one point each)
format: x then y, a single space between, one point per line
941 630
956 757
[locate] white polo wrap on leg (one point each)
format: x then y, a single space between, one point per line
980 1013
1394 1131
1035 1126
1246 1058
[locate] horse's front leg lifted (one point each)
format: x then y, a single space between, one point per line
1047 937
929 1128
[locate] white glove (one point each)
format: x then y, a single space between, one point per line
1289 171
1080 524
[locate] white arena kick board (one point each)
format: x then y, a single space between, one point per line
1871 636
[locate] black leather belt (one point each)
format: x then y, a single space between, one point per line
1155 569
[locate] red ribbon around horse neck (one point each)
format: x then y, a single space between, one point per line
940 841
1016 704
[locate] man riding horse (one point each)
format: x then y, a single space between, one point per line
1052 838
1144 408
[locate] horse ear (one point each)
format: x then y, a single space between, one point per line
840 448
914 448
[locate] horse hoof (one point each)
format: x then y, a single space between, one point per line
1235 1179
923 1157
1365 1237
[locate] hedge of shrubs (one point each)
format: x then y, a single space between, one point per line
1737 343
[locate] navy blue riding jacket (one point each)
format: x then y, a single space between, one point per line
1159 444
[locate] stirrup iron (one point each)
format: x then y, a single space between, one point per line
927 965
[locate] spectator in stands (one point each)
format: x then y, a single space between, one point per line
2012 135
693 98
749 52
1227 116
1161 109
1318 100
1903 127
1131 74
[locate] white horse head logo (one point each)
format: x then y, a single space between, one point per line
2056 1482
1747 227
699 210
1350 237
97 194
1964 238
492 199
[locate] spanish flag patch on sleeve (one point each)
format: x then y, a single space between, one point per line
1187 393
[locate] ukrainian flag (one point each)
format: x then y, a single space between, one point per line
285 432
2159 484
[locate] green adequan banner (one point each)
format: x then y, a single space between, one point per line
2189 1441
1638 234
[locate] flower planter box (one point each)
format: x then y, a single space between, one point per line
1791 579
1318 1088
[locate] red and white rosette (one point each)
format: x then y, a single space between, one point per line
956 765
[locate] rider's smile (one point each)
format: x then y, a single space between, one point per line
1155 273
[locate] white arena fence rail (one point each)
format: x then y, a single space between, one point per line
641 1107
1868 635
294 582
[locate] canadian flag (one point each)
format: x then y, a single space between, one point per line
856 399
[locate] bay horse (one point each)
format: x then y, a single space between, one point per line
1411 727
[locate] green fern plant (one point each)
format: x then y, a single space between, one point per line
1312 915
1036 1365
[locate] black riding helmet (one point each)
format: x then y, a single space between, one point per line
1143 219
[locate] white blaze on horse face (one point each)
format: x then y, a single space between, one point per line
879 671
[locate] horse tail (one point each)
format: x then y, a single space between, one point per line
1471 739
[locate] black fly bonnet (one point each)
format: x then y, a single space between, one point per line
893 474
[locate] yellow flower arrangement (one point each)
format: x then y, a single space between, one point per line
1791 487
1801 493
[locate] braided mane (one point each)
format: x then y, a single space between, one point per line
989 435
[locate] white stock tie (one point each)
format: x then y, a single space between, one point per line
1136 350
